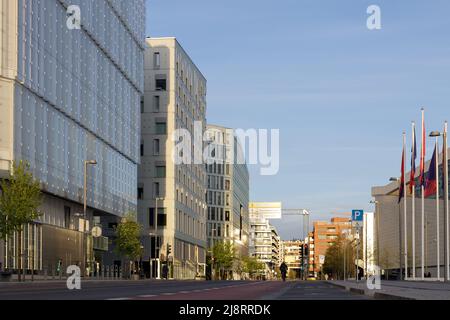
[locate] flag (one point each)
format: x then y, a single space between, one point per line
412 179
422 180
402 179
431 181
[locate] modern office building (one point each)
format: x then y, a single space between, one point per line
389 230
227 190
171 204
67 96
264 241
325 235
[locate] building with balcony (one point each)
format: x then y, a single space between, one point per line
68 95
171 194
293 256
264 241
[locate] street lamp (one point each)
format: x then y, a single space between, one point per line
212 253
395 179
86 164
156 237
377 227
437 134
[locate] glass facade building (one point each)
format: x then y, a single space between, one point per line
70 95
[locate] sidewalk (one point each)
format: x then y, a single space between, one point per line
400 290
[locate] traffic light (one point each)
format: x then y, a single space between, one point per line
306 250
169 249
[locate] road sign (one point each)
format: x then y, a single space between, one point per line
357 215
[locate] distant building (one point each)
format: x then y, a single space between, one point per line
227 190
264 239
293 256
171 196
325 235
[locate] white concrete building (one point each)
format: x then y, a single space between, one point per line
264 241
174 99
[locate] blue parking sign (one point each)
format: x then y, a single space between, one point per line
358 215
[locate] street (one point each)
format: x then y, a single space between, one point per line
177 290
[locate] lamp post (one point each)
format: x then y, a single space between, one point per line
399 230
437 134
86 164
156 236
377 227
212 254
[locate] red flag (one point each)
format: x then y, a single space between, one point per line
402 179
412 179
431 183
422 180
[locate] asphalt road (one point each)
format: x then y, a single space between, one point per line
177 290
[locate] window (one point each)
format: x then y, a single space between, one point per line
160 171
67 218
142 149
156 103
156 190
142 105
227 215
160 84
161 127
162 217
156 147
156 60
140 193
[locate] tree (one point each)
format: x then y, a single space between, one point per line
19 202
224 255
128 243
252 266
339 254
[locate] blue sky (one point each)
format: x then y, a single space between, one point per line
340 94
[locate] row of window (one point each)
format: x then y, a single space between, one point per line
190 226
218 183
218 198
218 230
218 168
218 214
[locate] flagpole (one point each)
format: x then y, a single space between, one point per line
413 208
438 260
405 230
422 174
446 227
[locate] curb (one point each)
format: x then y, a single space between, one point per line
375 295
